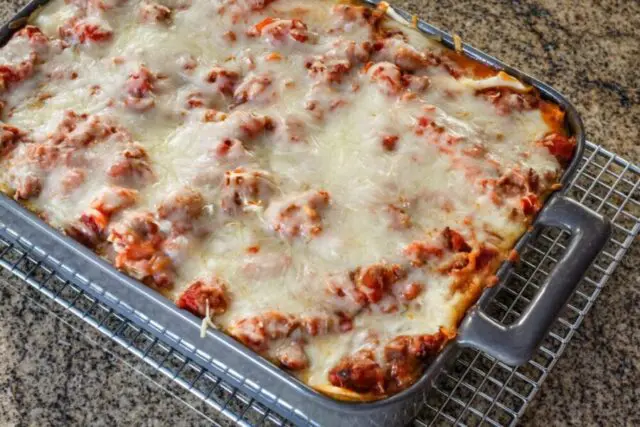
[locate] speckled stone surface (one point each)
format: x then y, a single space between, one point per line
51 376
590 51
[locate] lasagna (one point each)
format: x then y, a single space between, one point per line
319 180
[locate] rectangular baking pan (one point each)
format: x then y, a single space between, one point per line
259 378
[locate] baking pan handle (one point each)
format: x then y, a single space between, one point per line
516 343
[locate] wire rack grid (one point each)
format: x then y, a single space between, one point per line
475 390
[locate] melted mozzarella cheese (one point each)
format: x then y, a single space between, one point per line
342 154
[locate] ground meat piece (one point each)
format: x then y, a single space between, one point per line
140 83
200 294
560 146
507 100
433 133
406 357
511 183
245 189
278 31
322 99
114 199
298 214
26 58
319 324
292 356
151 12
423 346
37 40
139 88
327 70
91 227
411 291
458 262
378 286
11 75
455 241
131 168
257 332
485 256
81 130
402 54
64 148
359 372
468 262
223 80
389 142
377 279
43 156
195 100
416 84
231 151
388 77
27 48
247 126
347 298
254 88
88 229
349 50
84 31
137 242
187 62
530 204
453 64
27 186
348 15
419 253
28 168
181 209
10 137
73 179
514 183
230 37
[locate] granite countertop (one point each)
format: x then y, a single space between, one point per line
590 51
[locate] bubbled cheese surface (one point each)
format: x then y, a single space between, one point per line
341 154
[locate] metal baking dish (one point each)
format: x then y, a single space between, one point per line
513 344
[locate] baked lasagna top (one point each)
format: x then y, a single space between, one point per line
317 179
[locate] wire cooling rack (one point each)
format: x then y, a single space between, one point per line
475 390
